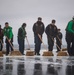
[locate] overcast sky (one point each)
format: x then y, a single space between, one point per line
18 11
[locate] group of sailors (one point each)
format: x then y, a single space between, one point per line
51 30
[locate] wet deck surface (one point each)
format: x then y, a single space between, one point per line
36 65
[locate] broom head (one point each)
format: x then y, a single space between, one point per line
4 52
64 49
48 53
30 53
15 53
1 54
61 53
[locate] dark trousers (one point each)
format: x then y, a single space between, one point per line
50 43
59 45
37 44
1 46
72 47
70 43
8 47
21 45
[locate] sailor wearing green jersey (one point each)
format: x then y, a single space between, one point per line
70 37
9 37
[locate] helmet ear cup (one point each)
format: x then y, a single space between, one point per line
73 18
39 18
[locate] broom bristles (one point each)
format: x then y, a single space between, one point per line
1 54
4 52
61 53
15 53
30 53
48 53
64 49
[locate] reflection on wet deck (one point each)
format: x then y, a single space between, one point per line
36 65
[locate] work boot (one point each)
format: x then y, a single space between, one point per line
38 53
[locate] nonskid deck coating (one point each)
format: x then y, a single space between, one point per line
36 65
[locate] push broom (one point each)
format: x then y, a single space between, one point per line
28 44
63 49
60 53
45 53
29 52
14 52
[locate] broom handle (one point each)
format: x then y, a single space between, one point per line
56 44
9 43
41 40
60 40
28 43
